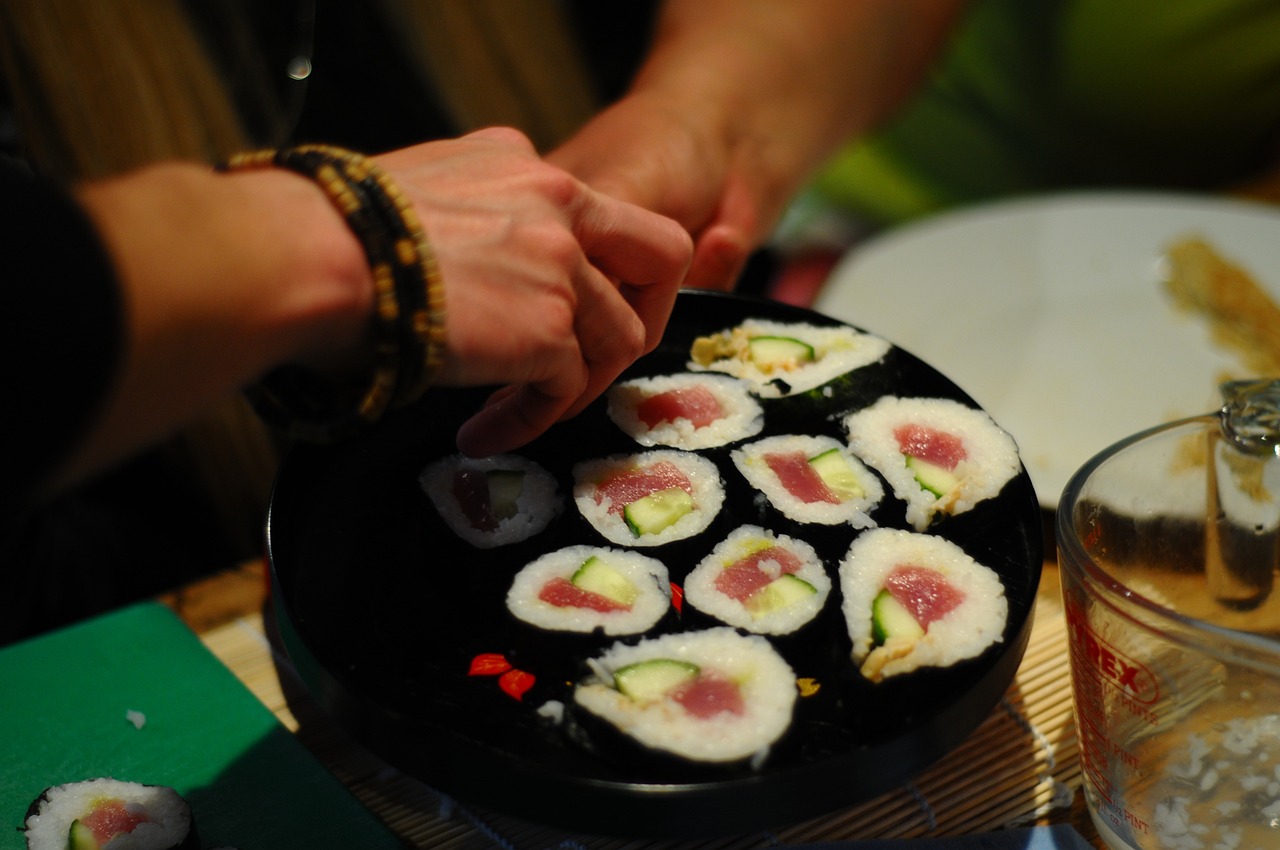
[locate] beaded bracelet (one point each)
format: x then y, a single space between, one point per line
408 317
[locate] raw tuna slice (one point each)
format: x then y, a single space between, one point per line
707 695
638 482
743 578
695 403
798 476
563 593
924 592
930 445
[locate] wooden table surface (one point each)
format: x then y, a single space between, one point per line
227 610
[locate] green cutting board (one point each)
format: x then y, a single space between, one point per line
250 783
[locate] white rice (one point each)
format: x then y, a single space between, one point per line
855 511
742 415
991 462
964 632
837 349
168 815
767 682
647 574
708 495
539 501
700 588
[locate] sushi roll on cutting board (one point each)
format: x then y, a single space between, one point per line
707 696
939 456
101 813
760 582
916 600
584 588
650 498
685 411
811 479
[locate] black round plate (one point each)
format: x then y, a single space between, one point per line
383 610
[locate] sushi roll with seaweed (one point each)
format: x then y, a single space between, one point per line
760 582
786 358
584 588
707 696
938 455
493 501
650 498
110 813
915 600
685 411
811 479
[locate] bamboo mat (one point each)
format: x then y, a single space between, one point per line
1019 766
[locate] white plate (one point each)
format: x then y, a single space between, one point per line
1050 313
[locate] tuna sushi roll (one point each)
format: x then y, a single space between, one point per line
759 581
650 498
915 600
938 455
492 501
686 411
811 479
110 813
709 696
782 359
584 588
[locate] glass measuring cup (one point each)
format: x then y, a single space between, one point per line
1168 547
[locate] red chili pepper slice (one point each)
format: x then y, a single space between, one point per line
516 682
677 597
489 664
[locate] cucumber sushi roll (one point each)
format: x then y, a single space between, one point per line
584 588
709 696
685 411
811 479
781 359
760 582
492 501
938 455
110 813
650 498
915 600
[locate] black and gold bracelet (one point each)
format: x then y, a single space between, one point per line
408 318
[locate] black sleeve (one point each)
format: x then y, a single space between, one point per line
61 329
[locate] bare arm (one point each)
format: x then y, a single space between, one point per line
739 101
551 288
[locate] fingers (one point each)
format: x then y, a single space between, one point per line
719 259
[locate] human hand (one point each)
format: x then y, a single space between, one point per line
678 163
551 288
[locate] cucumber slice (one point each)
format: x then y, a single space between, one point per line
79 837
779 593
505 486
598 577
779 352
932 477
657 511
890 619
651 680
834 470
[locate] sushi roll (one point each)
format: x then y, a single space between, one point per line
760 582
938 455
811 479
780 359
492 501
685 411
584 588
915 600
650 498
110 813
708 696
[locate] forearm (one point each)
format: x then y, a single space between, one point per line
222 277
784 83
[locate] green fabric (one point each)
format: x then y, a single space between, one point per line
1039 95
250 783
